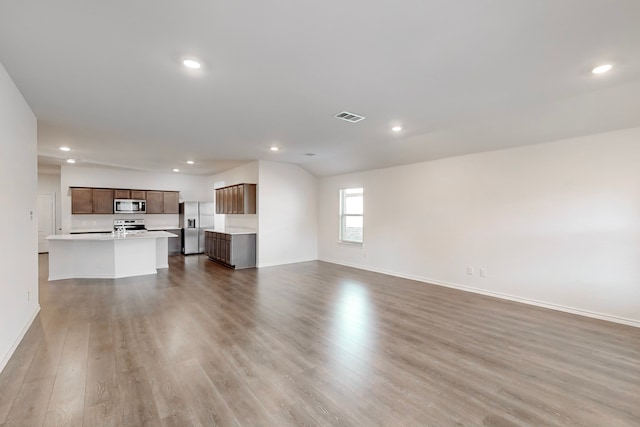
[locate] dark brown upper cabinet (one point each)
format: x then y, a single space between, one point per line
82 200
171 202
138 194
122 194
155 202
236 199
91 201
100 200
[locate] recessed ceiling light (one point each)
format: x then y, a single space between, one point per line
190 162
190 63
274 148
602 69
65 149
176 170
396 128
71 160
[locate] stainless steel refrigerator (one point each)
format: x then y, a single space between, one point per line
195 217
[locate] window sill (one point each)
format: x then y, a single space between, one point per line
352 244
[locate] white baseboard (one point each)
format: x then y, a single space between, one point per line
101 276
552 306
18 340
294 261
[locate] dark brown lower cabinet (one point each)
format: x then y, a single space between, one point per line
232 250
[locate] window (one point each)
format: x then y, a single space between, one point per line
351 215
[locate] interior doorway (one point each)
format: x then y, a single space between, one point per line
46 220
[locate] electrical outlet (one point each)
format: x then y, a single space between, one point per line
483 272
365 255
28 296
470 271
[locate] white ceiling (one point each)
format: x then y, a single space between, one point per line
463 76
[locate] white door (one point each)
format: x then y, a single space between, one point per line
46 220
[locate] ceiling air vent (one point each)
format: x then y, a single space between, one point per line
350 117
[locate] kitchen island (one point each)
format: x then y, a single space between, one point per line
107 256
232 247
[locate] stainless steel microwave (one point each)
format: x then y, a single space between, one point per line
129 206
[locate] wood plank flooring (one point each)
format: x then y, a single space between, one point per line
310 344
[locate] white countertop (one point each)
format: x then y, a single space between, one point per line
108 230
231 230
110 236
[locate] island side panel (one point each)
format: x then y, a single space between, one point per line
81 258
243 247
162 252
135 257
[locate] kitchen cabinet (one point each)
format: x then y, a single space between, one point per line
81 200
228 200
235 203
232 250
236 199
209 241
162 202
138 195
240 202
219 201
121 194
247 199
102 201
91 201
171 202
155 202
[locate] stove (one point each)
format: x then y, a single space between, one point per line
129 225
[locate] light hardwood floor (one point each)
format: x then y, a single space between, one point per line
310 344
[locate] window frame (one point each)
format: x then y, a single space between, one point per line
344 216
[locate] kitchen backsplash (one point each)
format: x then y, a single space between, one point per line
237 221
105 222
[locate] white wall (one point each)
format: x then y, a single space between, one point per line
18 187
245 174
556 224
191 188
49 183
287 215
286 222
